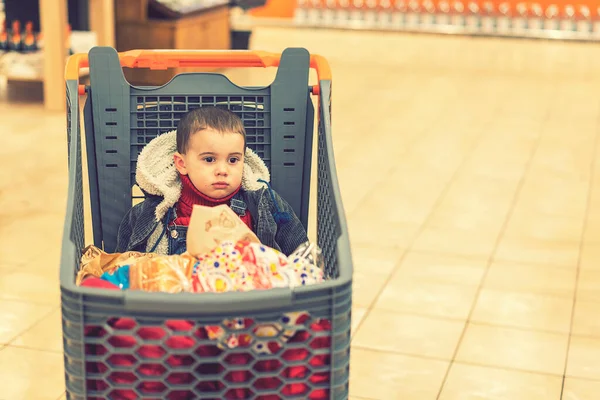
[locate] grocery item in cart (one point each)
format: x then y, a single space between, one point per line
210 226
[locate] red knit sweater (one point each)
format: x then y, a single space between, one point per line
191 196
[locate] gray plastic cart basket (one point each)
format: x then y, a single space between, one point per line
271 344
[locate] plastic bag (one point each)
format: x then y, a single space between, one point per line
95 262
169 274
245 266
311 253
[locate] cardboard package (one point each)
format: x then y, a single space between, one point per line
210 226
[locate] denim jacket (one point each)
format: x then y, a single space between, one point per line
147 226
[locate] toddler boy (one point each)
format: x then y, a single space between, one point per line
205 161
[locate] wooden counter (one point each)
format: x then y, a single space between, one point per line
138 29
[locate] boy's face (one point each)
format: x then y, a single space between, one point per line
214 162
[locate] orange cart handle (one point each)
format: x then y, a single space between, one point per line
163 59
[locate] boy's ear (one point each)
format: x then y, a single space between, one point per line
180 163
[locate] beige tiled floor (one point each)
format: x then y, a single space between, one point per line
471 179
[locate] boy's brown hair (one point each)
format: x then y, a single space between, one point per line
209 117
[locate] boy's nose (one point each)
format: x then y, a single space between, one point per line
221 170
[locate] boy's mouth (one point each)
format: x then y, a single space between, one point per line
220 185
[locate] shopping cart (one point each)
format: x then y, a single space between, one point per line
133 344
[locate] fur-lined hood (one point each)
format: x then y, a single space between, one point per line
156 173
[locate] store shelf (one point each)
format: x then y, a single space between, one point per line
29 67
525 20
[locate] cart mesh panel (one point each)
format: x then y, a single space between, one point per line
77 228
154 115
328 227
238 358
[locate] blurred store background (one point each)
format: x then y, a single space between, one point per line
228 24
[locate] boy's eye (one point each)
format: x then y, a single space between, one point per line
209 159
234 160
